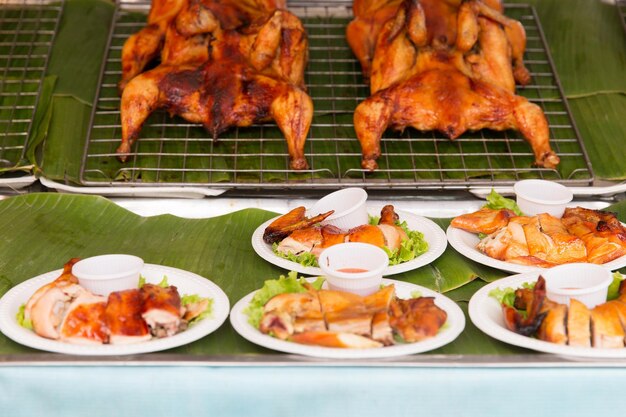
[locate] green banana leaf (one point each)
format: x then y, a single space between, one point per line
42 231
23 89
591 76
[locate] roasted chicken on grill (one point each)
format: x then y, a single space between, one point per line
443 65
182 25
221 75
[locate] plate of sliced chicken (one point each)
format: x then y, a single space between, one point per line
52 312
291 242
501 239
538 323
400 319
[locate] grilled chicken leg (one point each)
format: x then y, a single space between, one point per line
219 95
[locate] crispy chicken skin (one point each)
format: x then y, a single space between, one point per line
288 223
485 220
444 65
553 328
123 317
161 309
84 321
581 235
221 77
300 234
417 318
602 232
178 31
448 101
218 95
548 240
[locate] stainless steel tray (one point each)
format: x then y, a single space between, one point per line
172 152
27 32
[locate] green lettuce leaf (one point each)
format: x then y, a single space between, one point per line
613 292
495 202
21 319
410 248
506 296
271 288
304 259
195 298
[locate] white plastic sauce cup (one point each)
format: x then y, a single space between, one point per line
541 196
354 267
105 274
349 206
588 283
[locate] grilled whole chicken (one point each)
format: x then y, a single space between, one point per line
444 65
222 77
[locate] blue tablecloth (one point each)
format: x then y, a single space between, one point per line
89 391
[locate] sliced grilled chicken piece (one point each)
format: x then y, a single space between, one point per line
161 309
123 318
606 329
334 339
553 328
84 321
485 220
578 324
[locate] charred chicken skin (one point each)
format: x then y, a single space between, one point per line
222 77
172 21
449 66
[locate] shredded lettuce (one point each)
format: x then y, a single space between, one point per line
613 292
284 284
304 259
496 201
22 320
195 298
142 281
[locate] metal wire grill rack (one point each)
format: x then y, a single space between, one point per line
27 31
174 152
621 9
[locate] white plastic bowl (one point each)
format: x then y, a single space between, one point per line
349 207
588 283
541 196
105 274
354 256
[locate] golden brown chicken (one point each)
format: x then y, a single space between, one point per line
223 78
218 95
447 66
602 232
174 25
